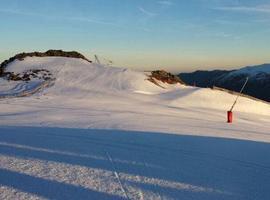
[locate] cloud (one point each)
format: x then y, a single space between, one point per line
73 18
89 20
146 12
18 12
258 8
165 3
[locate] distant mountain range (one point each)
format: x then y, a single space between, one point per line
258 84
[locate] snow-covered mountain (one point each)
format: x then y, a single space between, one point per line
79 82
253 71
258 85
77 78
89 131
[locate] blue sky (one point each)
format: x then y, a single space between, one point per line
178 35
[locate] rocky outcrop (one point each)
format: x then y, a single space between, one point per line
49 53
165 77
38 74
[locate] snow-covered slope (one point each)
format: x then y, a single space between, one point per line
108 90
77 78
74 139
113 91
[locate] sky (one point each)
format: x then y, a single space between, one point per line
176 35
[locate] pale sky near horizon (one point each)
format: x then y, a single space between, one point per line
177 35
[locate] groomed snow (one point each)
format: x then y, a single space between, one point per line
74 140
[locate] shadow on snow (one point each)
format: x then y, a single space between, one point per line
239 169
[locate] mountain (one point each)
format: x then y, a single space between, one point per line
258 84
82 130
63 79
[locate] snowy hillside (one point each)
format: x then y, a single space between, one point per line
77 78
101 132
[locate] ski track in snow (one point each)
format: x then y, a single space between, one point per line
79 167
107 133
117 175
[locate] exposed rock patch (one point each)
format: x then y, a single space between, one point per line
165 77
37 74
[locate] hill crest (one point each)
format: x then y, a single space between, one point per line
49 53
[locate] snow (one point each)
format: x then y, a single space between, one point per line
104 132
79 77
59 163
252 70
20 88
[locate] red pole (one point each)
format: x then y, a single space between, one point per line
230 112
230 116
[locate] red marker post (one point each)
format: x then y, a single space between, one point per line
230 116
230 112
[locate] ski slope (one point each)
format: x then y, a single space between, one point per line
102 132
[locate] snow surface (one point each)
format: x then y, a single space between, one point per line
20 88
108 133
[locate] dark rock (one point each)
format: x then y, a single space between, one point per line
165 77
